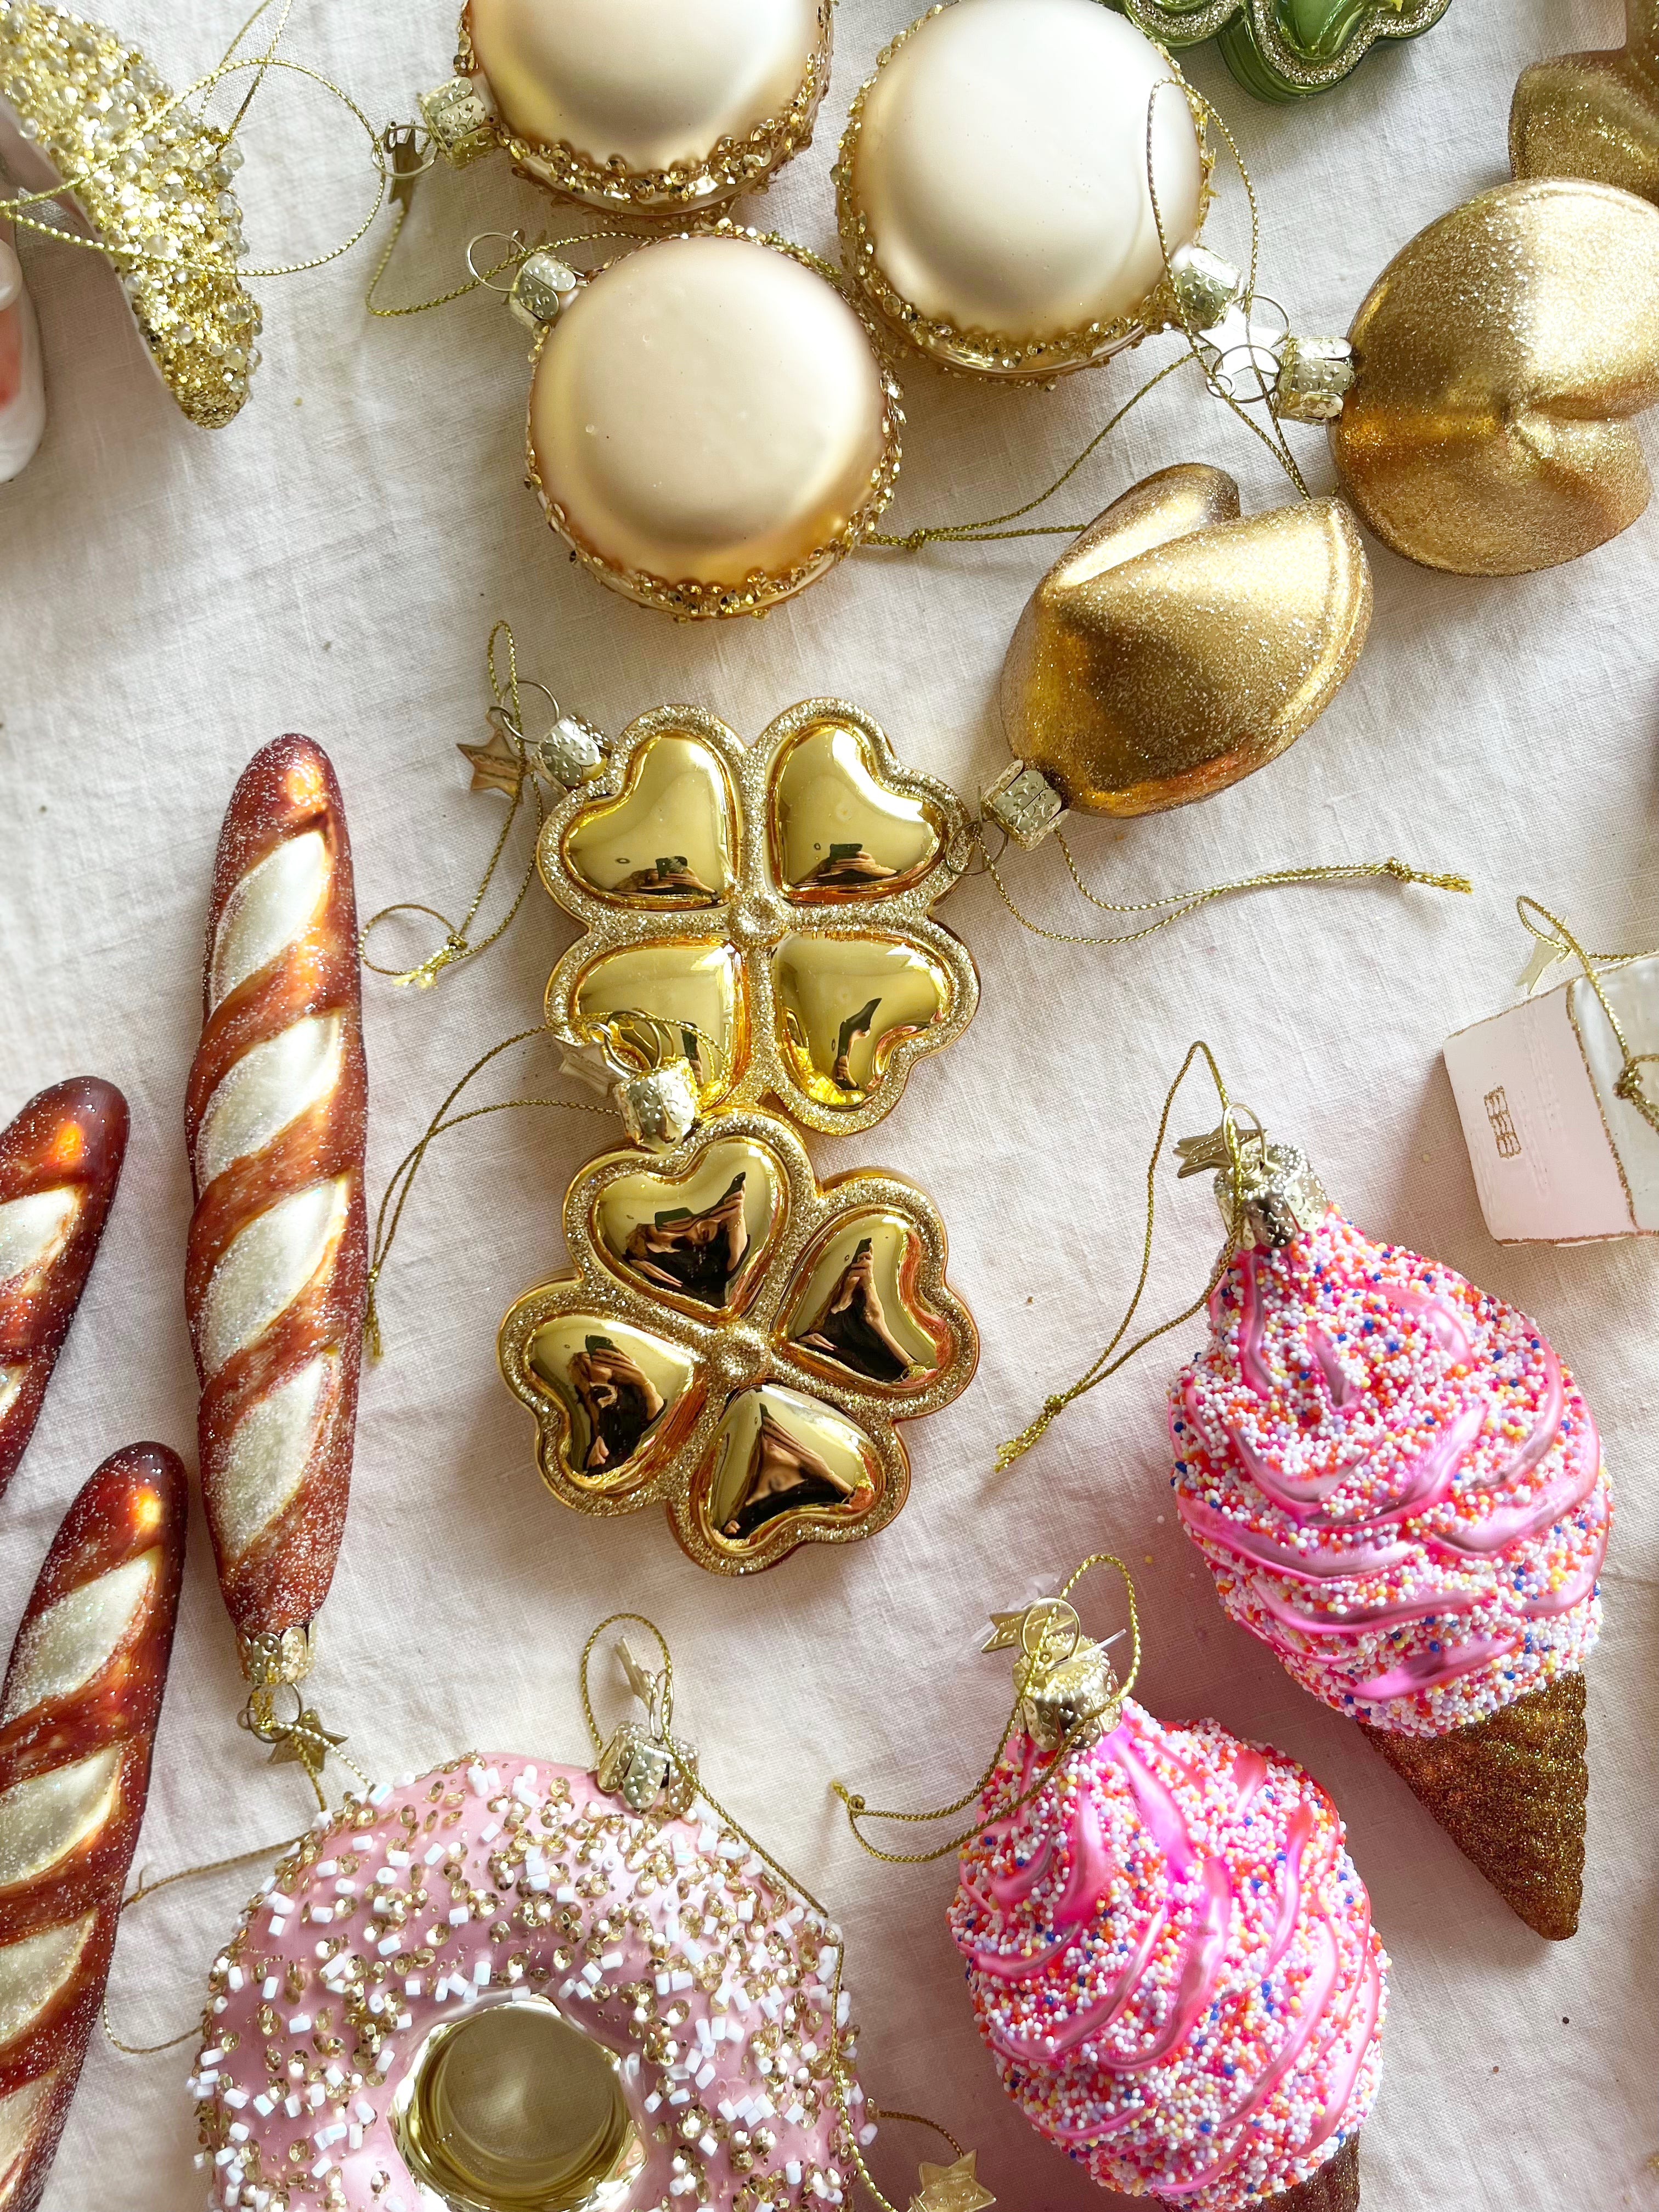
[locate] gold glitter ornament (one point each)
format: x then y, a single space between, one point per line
1530 1754
776 896
994 190
643 106
710 427
737 1341
1594 115
1178 645
160 199
1500 357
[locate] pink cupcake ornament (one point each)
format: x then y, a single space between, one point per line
1399 1489
1169 1953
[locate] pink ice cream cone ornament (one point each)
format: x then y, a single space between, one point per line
1398 1488
1169 1953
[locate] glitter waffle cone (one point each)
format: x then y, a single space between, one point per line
1334 2188
1511 1791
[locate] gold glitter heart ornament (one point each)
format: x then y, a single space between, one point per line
1499 355
1178 644
1594 115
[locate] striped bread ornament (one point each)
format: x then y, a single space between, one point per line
60 1163
277 1272
77 1725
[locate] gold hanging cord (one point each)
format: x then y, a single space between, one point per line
1179 904
1039 1630
1109 1360
1630 1084
508 716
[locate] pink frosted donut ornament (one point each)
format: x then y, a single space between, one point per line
508 1984
1398 1490
1169 1953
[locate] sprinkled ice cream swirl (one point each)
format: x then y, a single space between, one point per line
1171 1958
1397 1485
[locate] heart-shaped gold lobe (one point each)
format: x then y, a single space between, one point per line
698 1240
1179 644
1499 355
1594 115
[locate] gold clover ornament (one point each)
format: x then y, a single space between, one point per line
738 1341
772 903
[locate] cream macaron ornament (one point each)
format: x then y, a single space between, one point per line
1004 180
711 427
642 105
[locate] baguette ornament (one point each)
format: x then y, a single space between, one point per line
77 1725
275 1277
60 1163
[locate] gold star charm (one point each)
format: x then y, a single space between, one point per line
496 767
952 2188
306 1740
1005 1630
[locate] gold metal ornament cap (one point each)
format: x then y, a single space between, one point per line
644 105
1500 355
1594 115
276 1657
710 427
154 181
1179 644
991 185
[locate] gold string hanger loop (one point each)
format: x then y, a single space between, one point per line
262 1852
1109 1360
1065 1694
259 67
656 1694
1175 906
1630 1083
395 1196
507 718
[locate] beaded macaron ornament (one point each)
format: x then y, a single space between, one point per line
1169 1953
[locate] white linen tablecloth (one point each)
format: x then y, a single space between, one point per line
171 600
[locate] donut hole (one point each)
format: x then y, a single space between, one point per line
511 2108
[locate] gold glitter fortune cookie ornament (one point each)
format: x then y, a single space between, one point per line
1594 115
640 106
1283 50
153 180
1179 644
1499 357
995 184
